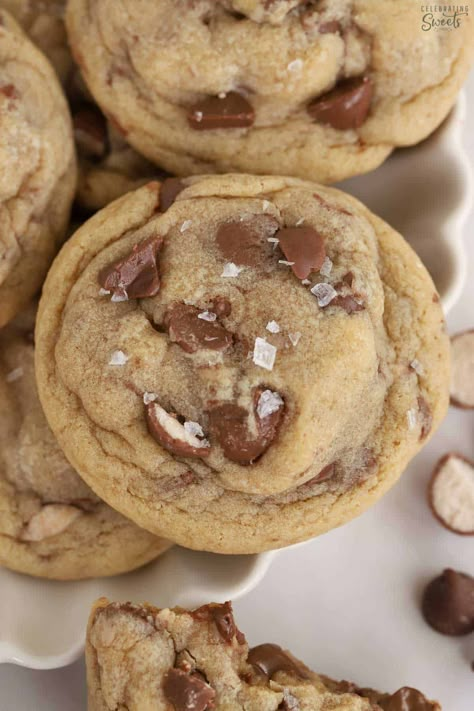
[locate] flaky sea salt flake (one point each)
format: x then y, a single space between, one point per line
207 316
295 66
324 293
266 204
326 267
198 115
264 354
268 403
118 358
231 270
103 292
149 397
285 263
411 419
118 296
306 282
417 366
299 222
193 428
186 225
273 327
294 338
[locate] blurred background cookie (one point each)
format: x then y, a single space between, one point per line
320 90
52 525
38 175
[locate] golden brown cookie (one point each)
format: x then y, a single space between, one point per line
141 657
38 175
248 361
51 524
320 90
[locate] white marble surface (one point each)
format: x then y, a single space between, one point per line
335 601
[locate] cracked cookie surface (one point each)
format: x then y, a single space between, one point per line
51 524
141 658
38 174
321 90
248 361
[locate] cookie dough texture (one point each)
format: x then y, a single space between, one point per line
357 384
38 175
51 524
141 657
148 64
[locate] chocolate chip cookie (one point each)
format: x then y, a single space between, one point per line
141 657
248 361
38 174
51 524
320 90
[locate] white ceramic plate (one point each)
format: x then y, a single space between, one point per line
424 192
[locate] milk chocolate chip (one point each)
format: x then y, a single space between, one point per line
246 242
172 435
408 699
228 423
348 303
188 692
192 333
448 603
230 110
169 191
137 276
90 132
304 247
223 618
270 659
344 107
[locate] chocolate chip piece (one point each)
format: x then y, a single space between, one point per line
246 242
348 303
270 659
137 276
9 91
221 307
231 111
169 191
448 603
223 618
329 27
426 417
303 246
228 423
188 692
192 333
90 132
408 699
451 493
172 435
344 107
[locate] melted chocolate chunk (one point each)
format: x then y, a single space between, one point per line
169 191
188 692
270 659
192 333
408 699
137 276
231 111
426 417
344 107
221 307
246 242
168 431
90 132
448 603
304 247
228 423
223 618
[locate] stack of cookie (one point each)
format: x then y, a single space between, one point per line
233 362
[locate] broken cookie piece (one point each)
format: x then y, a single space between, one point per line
139 656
